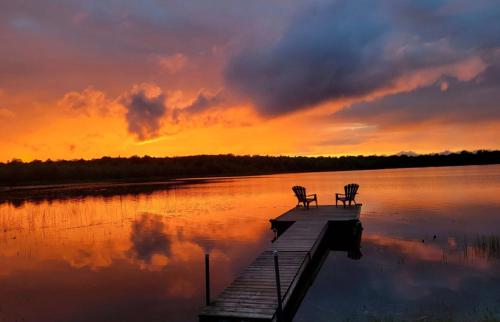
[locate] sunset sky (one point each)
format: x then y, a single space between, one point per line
85 79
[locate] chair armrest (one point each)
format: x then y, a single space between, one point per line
311 195
339 194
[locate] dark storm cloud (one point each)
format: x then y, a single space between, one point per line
148 238
144 111
354 48
448 100
313 61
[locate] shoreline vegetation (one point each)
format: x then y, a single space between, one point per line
35 193
153 169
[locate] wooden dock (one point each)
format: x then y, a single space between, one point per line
253 295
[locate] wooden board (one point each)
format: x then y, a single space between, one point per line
322 213
253 294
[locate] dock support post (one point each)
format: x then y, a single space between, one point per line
278 286
207 278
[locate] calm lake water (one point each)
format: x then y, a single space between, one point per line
430 248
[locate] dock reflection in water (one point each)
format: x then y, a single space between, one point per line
140 257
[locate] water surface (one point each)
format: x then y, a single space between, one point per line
140 257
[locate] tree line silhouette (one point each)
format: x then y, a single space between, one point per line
147 168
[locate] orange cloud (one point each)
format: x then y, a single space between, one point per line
173 63
464 70
89 101
6 113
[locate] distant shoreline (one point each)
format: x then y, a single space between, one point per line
17 195
19 176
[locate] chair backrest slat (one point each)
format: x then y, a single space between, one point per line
300 193
351 190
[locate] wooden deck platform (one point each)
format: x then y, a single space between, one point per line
252 296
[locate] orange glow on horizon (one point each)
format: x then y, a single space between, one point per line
58 134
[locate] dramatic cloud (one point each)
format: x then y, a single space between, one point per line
365 49
455 102
149 111
145 106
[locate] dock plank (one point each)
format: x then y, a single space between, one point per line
252 295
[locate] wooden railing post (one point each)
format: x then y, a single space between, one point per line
207 278
278 286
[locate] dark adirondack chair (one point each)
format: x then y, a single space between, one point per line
350 192
302 197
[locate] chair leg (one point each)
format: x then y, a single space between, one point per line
343 201
336 203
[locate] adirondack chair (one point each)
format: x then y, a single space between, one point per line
350 192
302 197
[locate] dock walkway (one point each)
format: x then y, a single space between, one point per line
252 296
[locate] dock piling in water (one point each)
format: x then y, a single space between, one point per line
207 278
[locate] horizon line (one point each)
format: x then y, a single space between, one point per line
408 153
